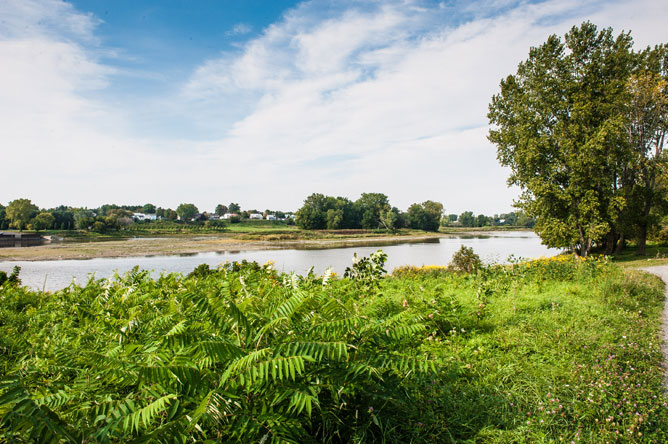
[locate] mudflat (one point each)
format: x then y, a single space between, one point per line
184 245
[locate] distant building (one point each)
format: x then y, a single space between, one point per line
271 217
256 216
227 216
144 216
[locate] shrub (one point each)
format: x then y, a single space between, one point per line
465 260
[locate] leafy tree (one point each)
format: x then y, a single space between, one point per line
465 260
452 218
43 221
19 212
3 220
425 216
187 211
234 208
84 218
389 219
559 124
334 218
369 207
646 126
148 209
481 220
466 219
313 214
221 209
64 218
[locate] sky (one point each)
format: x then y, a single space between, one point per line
265 102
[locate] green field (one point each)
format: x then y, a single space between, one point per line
553 350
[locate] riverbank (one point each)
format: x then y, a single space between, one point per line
135 247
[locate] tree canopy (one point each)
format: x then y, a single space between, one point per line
19 212
187 211
568 125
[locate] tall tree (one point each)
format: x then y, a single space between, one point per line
425 216
187 211
234 208
466 219
646 126
558 123
19 212
370 206
42 221
221 209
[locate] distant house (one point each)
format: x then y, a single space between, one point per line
271 217
227 216
256 216
144 216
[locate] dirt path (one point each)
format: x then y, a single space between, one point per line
662 272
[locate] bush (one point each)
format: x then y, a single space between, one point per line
465 260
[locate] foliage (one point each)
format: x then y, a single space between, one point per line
465 260
234 208
562 124
221 209
4 223
187 211
239 353
13 279
320 211
563 349
466 219
425 216
370 207
42 221
148 208
367 271
19 212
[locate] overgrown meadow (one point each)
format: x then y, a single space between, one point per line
551 350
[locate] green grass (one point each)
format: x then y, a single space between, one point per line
554 350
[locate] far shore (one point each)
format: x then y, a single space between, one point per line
187 245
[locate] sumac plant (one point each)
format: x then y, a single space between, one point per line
235 354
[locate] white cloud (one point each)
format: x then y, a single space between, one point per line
387 98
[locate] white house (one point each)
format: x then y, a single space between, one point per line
256 216
144 216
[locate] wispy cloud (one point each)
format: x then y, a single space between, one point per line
240 29
336 97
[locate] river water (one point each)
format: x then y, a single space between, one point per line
493 247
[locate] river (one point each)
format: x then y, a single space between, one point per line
492 247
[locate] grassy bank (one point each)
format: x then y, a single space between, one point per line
554 350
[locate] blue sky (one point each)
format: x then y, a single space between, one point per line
265 102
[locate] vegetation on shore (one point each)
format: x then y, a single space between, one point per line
551 350
582 126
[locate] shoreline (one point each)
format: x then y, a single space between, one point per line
168 246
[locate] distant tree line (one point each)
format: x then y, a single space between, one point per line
468 219
370 211
22 214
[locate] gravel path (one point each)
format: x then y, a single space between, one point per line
662 272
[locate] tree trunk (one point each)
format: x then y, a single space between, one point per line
611 242
642 238
620 244
643 226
